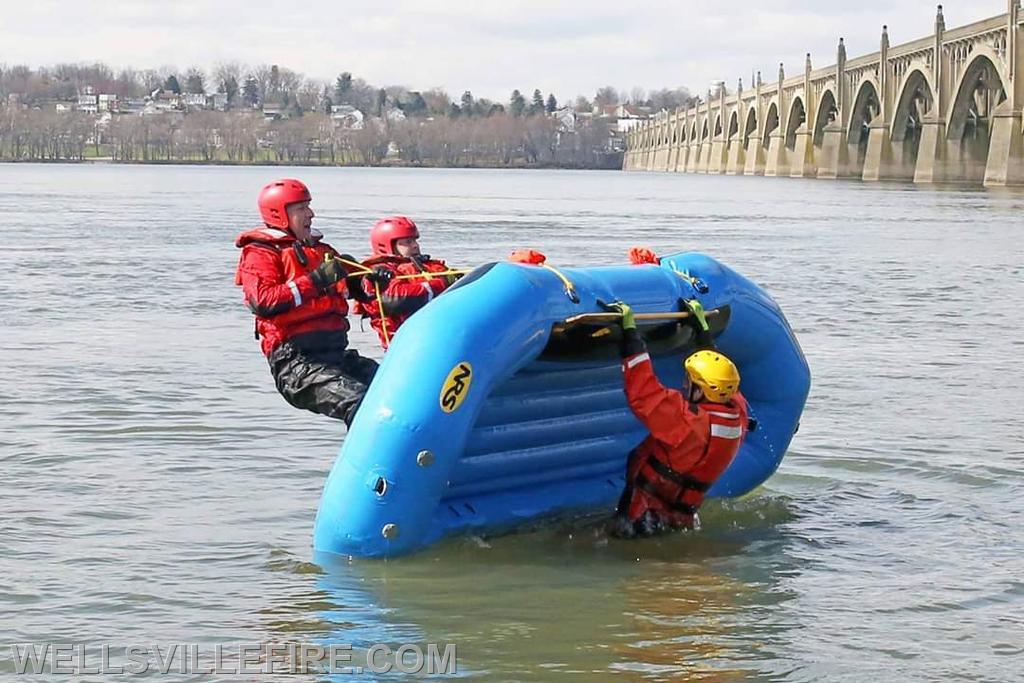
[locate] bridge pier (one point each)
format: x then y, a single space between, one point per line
754 161
931 153
878 159
1005 165
775 164
802 163
693 151
716 164
832 163
734 161
704 160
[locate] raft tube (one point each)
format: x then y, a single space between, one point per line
487 415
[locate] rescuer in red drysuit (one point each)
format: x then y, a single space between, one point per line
295 284
396 252
694 435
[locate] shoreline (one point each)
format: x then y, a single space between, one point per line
305 164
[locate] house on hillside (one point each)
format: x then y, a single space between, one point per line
193 100
107 102
87 102
567 119
273 110
347 117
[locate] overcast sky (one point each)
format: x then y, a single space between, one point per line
486 46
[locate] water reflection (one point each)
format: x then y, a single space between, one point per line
565 600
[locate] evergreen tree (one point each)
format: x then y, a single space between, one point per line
537 105
229 87
251 91
172 84
467 103
327 103
274 85
454 111
195 82
416 105
552 103
517 103
342 87
382 102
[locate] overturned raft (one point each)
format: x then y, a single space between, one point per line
489 411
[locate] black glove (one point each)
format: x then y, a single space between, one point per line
328 273
380 277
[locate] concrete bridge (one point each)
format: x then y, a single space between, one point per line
944 108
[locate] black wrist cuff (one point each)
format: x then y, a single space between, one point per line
632 343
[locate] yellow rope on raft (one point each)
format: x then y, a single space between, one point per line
426 275
570 288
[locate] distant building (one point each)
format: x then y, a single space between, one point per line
273 111
132 105
219 101
88 102
194 100
348 117
567 119
107 102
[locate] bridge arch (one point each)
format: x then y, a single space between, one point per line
827 113
915 100
797 117
751 126
734 124
771 122
980 90
866 106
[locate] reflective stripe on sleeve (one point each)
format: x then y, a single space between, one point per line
296 295
430 292
724 432
637 359
728 416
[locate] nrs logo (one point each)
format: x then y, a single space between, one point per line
455 388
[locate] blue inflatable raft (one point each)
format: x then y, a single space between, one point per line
489 411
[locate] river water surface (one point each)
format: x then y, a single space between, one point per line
156 489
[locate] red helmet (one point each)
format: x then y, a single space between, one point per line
387 230
275 198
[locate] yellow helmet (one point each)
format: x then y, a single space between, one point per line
715 374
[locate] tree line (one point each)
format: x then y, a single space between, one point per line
400 125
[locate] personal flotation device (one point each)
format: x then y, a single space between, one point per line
273 271
402 297
689 446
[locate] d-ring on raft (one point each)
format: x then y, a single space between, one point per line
495 407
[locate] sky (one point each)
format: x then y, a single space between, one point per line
488 47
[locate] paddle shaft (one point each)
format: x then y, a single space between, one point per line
615 317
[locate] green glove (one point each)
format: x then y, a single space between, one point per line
328 273
697 311
628 321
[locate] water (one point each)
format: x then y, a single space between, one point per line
156 489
